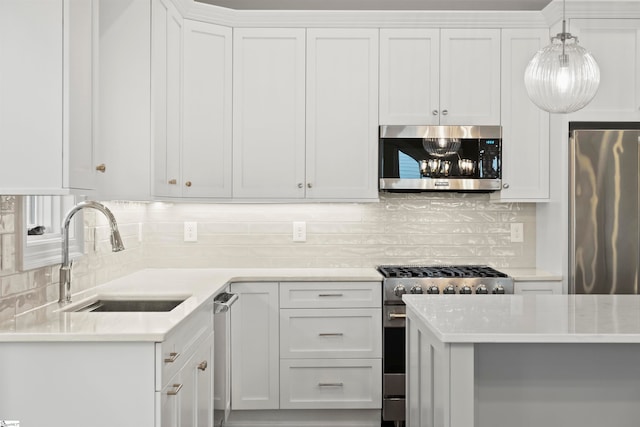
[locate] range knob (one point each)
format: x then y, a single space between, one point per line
416 289
449 290
433 289
498 290
466 289
482 289
399 290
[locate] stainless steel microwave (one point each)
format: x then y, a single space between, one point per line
440 158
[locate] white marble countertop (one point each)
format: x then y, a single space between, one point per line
528 318
53 323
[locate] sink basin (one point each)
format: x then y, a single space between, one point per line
116 305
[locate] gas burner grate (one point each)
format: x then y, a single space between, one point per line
412 271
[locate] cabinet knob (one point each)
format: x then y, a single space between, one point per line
300 185
101 168
188 183
434 112
202 365
445 112
505 185
309 185
173 181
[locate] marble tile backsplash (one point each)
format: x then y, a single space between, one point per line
401 228
424 228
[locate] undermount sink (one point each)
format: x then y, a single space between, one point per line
118 305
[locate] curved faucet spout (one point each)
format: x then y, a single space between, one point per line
65 268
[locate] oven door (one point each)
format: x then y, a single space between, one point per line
393 378
222 360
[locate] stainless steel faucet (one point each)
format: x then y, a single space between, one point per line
65 268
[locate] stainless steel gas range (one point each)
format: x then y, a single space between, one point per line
398 280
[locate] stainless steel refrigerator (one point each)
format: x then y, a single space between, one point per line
604 165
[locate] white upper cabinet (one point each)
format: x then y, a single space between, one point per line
268 119
46 96
470 77
342 113
615 44
124 97
329 153
166 96
525 127
409 76
206 137
448 76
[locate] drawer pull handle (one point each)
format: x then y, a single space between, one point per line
330 334
393 316
330 295
172 357
202 365
176 390
330 385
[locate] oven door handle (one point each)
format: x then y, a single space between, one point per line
393 316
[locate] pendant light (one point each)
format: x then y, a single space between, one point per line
562 77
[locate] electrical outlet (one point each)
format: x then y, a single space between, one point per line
517 232
299 231
190 231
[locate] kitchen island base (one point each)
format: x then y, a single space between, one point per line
520 384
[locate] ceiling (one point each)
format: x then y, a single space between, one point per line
535 5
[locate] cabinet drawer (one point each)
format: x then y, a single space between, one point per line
173 352
330 294
340 333
331 384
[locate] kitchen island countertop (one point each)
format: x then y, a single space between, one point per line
496 360
529 318
53 323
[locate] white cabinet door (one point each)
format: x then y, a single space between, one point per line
80 81
409 76
201 368
46 88
166 79
470 77
525 127
342 114
268 113
31 67
206 139
615 45
255 370
124 94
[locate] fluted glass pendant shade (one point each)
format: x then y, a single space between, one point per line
562 77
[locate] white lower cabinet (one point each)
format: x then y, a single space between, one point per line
186 399
254 346
105 384
306 345
330 383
